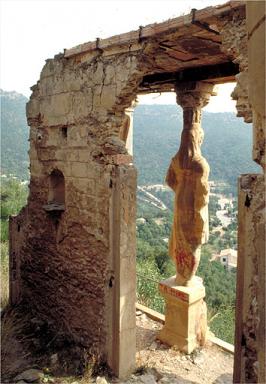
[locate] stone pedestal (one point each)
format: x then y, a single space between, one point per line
185 315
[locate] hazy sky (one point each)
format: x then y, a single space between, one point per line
34 30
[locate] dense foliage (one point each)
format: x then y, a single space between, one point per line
13 198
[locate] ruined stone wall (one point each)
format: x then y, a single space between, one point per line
234 43
250 316
257 85
250 325
256 63
75 114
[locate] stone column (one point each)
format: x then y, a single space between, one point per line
249 364
186 312
121 313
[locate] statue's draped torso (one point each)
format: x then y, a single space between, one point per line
188 177
190 227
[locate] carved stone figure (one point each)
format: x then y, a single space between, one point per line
188 177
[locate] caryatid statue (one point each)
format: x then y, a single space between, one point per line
188 177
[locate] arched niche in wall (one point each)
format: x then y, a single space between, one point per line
56 194
56 187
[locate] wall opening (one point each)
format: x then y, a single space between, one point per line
64 132
56 188
156 139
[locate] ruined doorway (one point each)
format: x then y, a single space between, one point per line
227 239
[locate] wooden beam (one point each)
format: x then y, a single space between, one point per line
156 29
206 72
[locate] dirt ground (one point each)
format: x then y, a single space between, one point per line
210 365
156 362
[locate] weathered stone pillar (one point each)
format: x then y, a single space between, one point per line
185 318
249 364
121 315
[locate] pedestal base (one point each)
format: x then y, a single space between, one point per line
185 315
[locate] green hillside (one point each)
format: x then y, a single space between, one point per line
157 128
227 145
14 135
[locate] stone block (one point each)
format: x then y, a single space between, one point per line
78 169
108 96
47 154
87 186
98 74
122 74
47 86
83 155
186 315
109 74
56 109
97 90
72 82
33 108
33 154
36 167
120 159
82 103
77 136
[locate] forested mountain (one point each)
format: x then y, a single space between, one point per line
157 128
14 134
227 144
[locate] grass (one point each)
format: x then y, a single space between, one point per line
14 354
4 274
